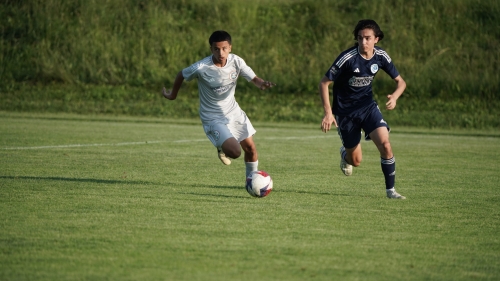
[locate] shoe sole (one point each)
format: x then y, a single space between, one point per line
401 197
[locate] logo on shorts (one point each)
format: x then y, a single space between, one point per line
216 135
383 121
374 68
233 75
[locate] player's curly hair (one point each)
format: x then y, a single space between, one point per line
370 24
219 36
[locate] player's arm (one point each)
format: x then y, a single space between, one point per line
261 83
392 98
172 94
328 118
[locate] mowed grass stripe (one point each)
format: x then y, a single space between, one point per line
145 142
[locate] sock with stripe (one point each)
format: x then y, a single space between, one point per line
389 170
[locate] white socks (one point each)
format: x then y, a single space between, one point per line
251 167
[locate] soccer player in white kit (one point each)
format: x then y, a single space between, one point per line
225 123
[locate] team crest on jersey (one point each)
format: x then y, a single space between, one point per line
233 75
374 68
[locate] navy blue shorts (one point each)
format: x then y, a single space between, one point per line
368 119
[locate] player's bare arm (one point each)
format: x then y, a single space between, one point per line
261 83
172 94
328 119
392 99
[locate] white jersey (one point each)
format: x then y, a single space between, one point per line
217 85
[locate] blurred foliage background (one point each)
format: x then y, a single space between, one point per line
114 56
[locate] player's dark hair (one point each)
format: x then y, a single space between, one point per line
219 36
370 24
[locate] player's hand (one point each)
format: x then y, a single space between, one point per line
166 93
391 103
266 85
327 122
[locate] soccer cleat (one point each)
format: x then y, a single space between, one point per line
392 194
344 166
225 160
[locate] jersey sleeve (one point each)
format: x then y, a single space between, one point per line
387 65
336 69
244 70
191 72
390 69
333 72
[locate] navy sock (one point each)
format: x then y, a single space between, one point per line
344 154
389 170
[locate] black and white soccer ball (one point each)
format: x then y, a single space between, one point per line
259 184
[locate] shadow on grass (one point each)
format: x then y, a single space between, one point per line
76 180
315 192
216 195
210 186
128 182
134 182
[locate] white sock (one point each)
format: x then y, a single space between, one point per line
251 167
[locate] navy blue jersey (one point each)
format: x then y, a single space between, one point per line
352 75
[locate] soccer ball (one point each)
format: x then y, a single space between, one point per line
259 184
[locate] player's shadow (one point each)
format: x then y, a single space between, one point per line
213 186
131 182
219 187
315 192
88 180
214 195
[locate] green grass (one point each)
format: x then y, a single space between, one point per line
128 198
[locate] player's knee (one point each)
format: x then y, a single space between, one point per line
233 152
356 161
385 149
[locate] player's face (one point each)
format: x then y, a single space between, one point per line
367 41
220 52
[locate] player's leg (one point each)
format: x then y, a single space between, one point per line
243 130
380 137
248 146
354 155
250 155
350 151
221 137
231 148
379 134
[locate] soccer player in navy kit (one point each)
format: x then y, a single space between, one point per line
353 106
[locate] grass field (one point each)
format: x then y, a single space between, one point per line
121 198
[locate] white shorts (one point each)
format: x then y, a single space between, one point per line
237 126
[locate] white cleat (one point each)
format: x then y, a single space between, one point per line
344 166
392 194
225 160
